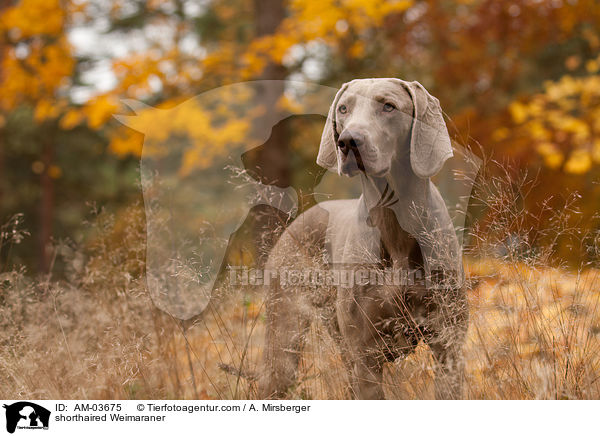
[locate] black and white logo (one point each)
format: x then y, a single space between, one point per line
26 415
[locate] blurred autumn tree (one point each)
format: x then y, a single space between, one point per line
519 77
46 155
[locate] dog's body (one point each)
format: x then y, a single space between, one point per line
387 132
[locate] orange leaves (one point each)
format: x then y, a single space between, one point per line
310 19
372 13
205 133
96 112
30 18
209 140
71 119
135 72
563 121
276 46
552 155
325 21
518 112
318 19
99 110
579 162
233 56
38 61
45 109
38 76
126 141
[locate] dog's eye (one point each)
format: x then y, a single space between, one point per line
342 109
388 107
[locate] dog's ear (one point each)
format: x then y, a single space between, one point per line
327 157
430 143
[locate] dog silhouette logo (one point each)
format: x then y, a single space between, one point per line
26 415
225 172
218 194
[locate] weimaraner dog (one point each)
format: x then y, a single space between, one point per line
391 134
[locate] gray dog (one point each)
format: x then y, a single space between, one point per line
391 134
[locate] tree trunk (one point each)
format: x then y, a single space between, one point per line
46 211
268 221
3 5
268 16
2 146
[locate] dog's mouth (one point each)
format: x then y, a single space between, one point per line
353 163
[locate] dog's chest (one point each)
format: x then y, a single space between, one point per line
349 239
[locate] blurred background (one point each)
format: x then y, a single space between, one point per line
518 79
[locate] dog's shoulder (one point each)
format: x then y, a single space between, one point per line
340 209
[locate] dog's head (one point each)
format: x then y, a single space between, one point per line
373 123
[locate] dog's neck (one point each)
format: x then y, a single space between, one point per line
372 189
382 208
393 190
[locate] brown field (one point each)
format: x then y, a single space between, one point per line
533 334
204 109
534 330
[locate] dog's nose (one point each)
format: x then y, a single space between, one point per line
350 140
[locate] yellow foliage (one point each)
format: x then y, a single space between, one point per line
211 132
45 109
307 21
71 119
287 104
575 126
212 142
311 20
253 64
99 110
551 154
126 141
579 162
280 45
518 112
46 66
538 131
566 113
134 73
596 150
31 18
592 66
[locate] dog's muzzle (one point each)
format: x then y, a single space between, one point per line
350 143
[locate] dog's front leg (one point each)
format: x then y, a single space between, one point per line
449 371
448 330
367 378
287 326
362 349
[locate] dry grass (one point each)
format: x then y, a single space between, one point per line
534 325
